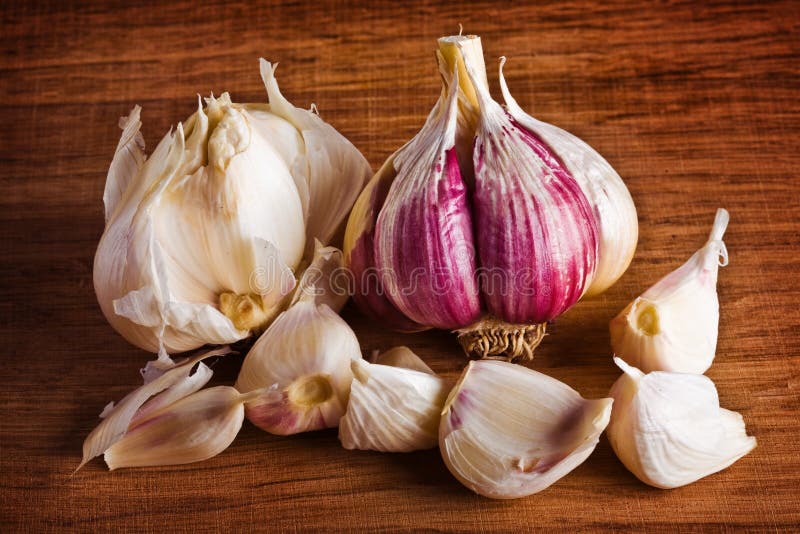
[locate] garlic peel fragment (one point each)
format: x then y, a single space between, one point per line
392 409
403 357
173 384
192 429
669 430
507 431
673 326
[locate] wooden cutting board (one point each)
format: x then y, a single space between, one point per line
695 104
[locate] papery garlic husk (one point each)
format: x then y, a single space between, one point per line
673 326
202 237
507 431
402 357
393 408
192 429
168 420
304 360
669 429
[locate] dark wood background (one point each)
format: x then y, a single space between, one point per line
694 103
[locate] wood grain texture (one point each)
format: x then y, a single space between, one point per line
695 104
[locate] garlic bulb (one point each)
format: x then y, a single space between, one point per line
669 430
393 408
554 220
202 237
673 325
180 423
507 431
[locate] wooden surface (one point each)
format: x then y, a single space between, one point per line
695 104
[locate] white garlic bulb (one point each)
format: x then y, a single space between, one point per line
202 237
673 325
392 408
507 431
669 429
303 359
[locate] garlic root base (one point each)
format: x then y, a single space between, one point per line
492 339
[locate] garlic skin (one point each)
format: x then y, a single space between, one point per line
507 431
403 357
303 361
202 237
608 197
192 429
178 416
392 409
669 429
673 326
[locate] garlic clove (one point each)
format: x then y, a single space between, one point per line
192 429
423 234
304 360
669 429
174 382
392 409
369 292
507 431
538 238
336 171
673 326
403 357
610 201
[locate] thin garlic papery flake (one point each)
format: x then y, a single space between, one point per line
203 237
393 408
507 431
673 326
169 420
669 429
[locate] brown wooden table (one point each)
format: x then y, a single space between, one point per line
695 104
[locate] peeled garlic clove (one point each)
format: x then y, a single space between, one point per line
304 360
673 325
192 429
202 237
609 199
173 382
669 430
392 409
507 431
423 237
403 357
